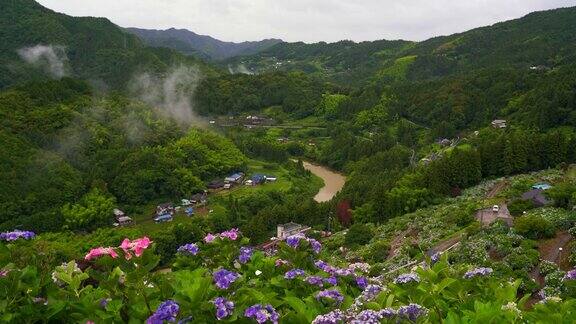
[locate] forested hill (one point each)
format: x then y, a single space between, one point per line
90 48
202 46
544 39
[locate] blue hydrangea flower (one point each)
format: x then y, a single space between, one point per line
294 240
332 281
189 249
262 314
315 280
316 246
362 282
332 294
167 311
224 307
412 312
477 272
224 278
294 273
245 254
570 275
407 278
17 234
334 317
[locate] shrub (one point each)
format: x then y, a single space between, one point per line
378 252
358 234
518 206
534 227
547 267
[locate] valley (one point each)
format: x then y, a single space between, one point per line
162 176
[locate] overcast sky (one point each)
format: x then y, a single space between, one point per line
307 20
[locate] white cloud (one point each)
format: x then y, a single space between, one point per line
308 20
51 58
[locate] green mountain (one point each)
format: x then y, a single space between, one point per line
206 47
89 48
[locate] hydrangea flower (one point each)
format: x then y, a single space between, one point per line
294 273
412 312
570 275
245 254
368 317
407 278
387 313
334 317
100 251
16 234
316 246
370 292
4 272
209 238
230 234
435 257
189 249
224 307
167 311
294 240
324 266
104 302
332 281
332 294
477 272
315 280
137 246
343 272
224 278
262 314
362 282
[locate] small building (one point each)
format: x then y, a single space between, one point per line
235 178
215 185
542 186
118 213
444 142
499 123
227 186
537 197
285 230
249 183
199 199
258 179
166 208
123 221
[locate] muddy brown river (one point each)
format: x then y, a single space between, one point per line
333 182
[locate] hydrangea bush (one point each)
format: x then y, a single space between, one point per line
223 279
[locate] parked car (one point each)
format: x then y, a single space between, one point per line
163 218
495 208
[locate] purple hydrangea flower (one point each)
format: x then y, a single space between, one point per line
224 307
477 272
104 302
294 240
294 273
570 275
412 312
370 292
332 294
332 281
189 249
245 254
316 246
16 234
167 311
262 314
407 278
343 272
315 280
362 282
230 234
334 317
4 273
387 313
435 257
224 278
368 317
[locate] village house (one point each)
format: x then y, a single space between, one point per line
258 179
235 178
166 208
537 197
499 123
285 230
118 213
444 142
215 185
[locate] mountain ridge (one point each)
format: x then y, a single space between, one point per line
204 46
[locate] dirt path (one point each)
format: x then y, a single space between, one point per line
550 249
495 190
399 240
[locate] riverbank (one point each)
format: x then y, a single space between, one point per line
333 182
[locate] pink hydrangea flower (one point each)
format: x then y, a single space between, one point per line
101 251
209 238
137 246
231 234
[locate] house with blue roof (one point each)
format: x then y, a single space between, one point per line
542 186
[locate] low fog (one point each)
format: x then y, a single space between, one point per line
52 58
